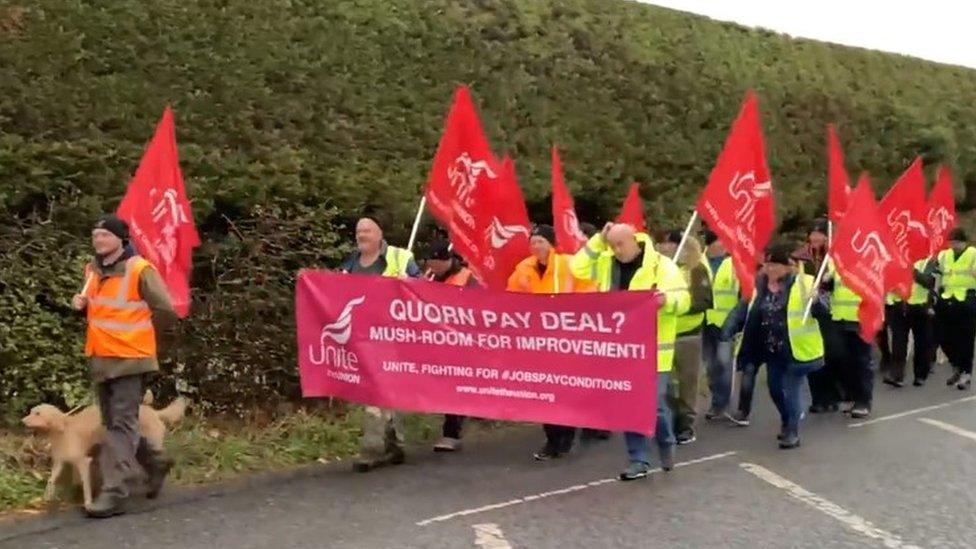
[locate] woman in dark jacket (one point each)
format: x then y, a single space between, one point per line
775 334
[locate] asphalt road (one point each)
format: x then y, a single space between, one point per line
902 480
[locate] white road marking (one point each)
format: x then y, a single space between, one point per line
949 427
534 497
490 536
913 412
857 524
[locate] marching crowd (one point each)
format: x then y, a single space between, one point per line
798 330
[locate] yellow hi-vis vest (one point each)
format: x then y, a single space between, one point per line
920 295
689 322
595 262
397 260
843 302
805 338
725 294
959 275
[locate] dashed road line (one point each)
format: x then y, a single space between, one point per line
913 412
490 536
854 522
543 495
949 427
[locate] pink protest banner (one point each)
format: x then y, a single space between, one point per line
586 360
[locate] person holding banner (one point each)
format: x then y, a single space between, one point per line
912 317
382 431
725 295
546 272
445 267
852 353
956 311
125 301
688 346
621 259
774 333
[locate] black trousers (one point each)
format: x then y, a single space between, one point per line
559 438
826 387
904 319
452 426
856 370
747 387
956 328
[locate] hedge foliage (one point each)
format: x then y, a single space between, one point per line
296 116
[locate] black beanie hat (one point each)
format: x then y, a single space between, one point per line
674 237
958 235
819 226
441 250
114 225
588 229
779 252
709 237
545 231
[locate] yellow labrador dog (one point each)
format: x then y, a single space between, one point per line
73 437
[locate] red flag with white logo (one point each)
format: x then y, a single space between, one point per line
463 164
504 222
569 237
838 182
904 210
159 215
941 211
737 203
632 211
862 250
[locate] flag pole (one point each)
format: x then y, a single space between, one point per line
416 222
820 273
684 237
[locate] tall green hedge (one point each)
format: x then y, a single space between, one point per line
296 116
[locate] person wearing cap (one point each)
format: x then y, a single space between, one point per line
688 345
725 296
956 309
446 267
621 259
126 302
382 442
546 272
775 333
914 317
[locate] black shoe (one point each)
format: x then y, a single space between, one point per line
918 382
954 379
818 409
965 381
860 412
888 381
156 465
106 505
546 453
393 456
789 441
894 383
831 408
714 413
739 419
782 434
686 437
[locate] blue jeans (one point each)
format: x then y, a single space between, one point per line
718 368
786 389
638 445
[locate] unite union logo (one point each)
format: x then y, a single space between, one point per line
331 349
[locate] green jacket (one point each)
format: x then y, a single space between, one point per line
153 292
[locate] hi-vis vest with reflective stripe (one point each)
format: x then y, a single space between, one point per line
595 262
919 295
397 260
692 321
844 302
725 293
805 338
958 276
119 321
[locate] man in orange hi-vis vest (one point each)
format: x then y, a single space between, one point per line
123 297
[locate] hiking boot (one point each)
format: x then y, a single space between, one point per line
739 419
954 379
156 464
860 412
107 504
667 458
448 444
636 470
686 437
394 456
789 441
965 380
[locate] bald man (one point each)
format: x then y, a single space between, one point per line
382 430
622 259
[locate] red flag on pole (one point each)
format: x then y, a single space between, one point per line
941 211
463 164
903 209
632 212
569 237
504 219
737 203
862 250
159 215
838 182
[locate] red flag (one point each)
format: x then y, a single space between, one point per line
159 215
838 182
737 203
941 211
569 237
463 164
632 212
504 221
862 250
903 210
